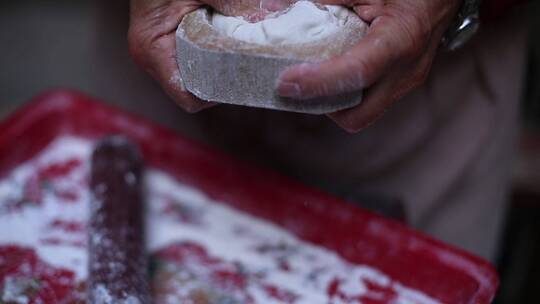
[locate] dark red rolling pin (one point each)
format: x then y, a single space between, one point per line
117 258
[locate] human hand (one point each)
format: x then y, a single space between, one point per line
152 43
394 57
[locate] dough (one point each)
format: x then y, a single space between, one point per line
302 22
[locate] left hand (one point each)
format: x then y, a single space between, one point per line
392 59
152 43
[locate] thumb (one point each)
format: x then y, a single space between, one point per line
354 70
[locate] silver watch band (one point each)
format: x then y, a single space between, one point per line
464 26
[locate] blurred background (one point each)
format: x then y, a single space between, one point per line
51 44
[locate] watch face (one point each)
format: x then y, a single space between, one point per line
464 33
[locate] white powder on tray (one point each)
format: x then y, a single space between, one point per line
303 22
178 213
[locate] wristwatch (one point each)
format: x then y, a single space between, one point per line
464 26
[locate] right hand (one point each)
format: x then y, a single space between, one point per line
392 59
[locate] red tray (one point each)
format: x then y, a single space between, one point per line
442 272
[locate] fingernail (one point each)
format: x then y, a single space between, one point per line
289 89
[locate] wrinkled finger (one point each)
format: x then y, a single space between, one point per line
355 70
160 15
383 94
368 13
367 10
166 72
150 22
152 45
376 100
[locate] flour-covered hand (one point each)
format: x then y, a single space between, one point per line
394 57
151 37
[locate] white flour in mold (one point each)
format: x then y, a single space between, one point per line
303 22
